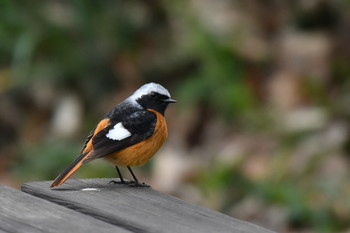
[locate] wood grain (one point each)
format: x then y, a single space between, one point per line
138 209
21 212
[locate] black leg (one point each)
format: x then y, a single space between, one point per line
120 175
122 181
133 175
136 184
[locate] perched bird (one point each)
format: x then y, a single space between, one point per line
129 135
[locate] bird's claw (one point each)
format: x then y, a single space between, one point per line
130 183
120 182
139 185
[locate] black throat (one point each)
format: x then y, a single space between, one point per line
154 102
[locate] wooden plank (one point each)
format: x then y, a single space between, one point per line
138 209
21 212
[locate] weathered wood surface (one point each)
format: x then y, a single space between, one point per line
21 212
137 209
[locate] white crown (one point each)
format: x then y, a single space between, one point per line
148 89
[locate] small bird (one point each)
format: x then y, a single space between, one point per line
129 135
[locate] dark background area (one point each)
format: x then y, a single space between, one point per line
261 128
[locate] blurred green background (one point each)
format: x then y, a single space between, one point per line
261 128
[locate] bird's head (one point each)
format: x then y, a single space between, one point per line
152 96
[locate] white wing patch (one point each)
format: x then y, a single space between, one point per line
118 132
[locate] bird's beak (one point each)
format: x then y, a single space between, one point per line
170 100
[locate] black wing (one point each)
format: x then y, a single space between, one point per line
87 140
140 124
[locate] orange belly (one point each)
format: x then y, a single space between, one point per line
140 153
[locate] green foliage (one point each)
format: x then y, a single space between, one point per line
45 160
53 156
219 80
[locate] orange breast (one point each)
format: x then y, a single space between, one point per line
141 152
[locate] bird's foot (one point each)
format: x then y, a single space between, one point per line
127 182
139 185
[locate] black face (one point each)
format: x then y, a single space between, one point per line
155 101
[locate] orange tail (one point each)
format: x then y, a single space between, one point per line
61 178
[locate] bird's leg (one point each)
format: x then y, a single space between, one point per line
133 175
122 181
137 183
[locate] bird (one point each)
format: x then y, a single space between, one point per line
128 135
